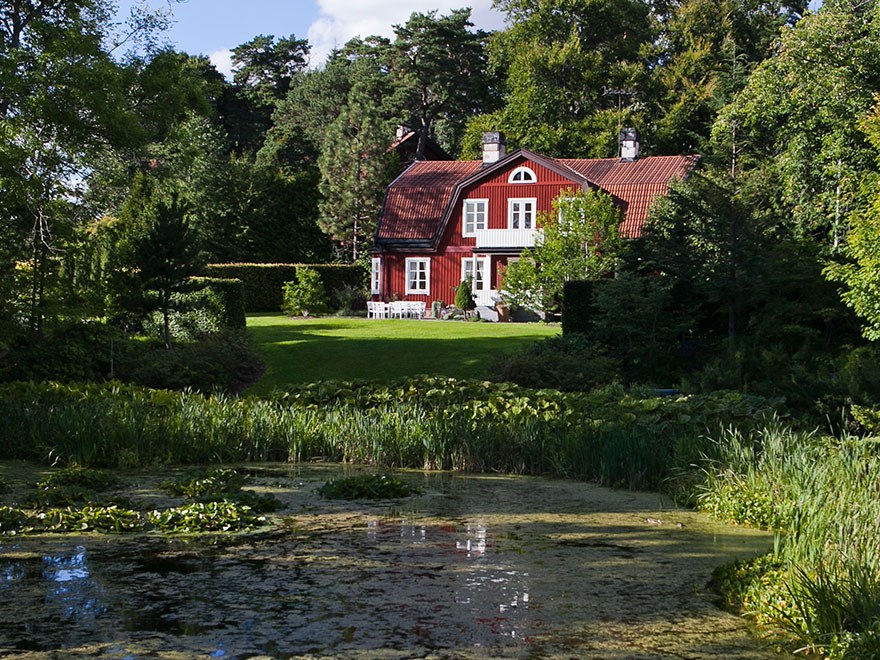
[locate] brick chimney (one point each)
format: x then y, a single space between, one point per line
494 147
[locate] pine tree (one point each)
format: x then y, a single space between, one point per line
165 256
353 175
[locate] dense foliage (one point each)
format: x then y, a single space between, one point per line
632 439
264 283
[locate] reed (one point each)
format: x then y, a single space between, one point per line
610 436
823 495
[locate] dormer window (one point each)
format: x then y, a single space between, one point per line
522 175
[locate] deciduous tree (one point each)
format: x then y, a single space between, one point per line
579 241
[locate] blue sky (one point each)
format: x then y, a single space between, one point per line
213 27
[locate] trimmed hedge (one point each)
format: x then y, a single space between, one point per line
577 304
230 294
264 283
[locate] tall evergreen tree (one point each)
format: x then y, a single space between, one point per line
439 65
354 171
163 258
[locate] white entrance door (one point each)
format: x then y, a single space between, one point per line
479 270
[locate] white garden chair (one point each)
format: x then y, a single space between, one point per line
377 310
397 309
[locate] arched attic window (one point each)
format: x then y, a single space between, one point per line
522 175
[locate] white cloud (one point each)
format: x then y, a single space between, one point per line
341 20
222 60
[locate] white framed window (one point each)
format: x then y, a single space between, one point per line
477 268
376 276
474 216
521 213
522 175
418 276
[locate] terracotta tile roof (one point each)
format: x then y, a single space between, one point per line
637 183
416 202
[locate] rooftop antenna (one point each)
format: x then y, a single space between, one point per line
619 93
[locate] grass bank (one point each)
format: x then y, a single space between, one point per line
330 348
821 585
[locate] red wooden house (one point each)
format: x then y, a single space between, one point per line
444 220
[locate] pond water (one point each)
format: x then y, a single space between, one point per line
475 566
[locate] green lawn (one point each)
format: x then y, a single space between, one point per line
303 351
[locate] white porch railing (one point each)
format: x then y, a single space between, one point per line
506 238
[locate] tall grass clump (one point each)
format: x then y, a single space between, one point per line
823 495
613 436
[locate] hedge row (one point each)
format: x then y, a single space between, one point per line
264 283
230 295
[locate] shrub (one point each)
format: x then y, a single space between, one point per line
305 296
264 283
568 363
217 305
72 351
349 299
229 294
577 302
464 296
218 362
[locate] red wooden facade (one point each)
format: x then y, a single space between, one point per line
421 240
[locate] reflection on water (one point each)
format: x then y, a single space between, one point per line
71 588
66 568
9 573
476 542
495 583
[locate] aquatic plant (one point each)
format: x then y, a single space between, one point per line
91 519
220 516
206 482
613 436
222 484
367 487
80 477
75 486
13 520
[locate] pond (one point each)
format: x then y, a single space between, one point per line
473 566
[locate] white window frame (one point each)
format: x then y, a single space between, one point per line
523 174
421 267
478 269
515 206
479 219
375 276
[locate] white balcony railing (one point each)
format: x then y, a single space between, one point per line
506 238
